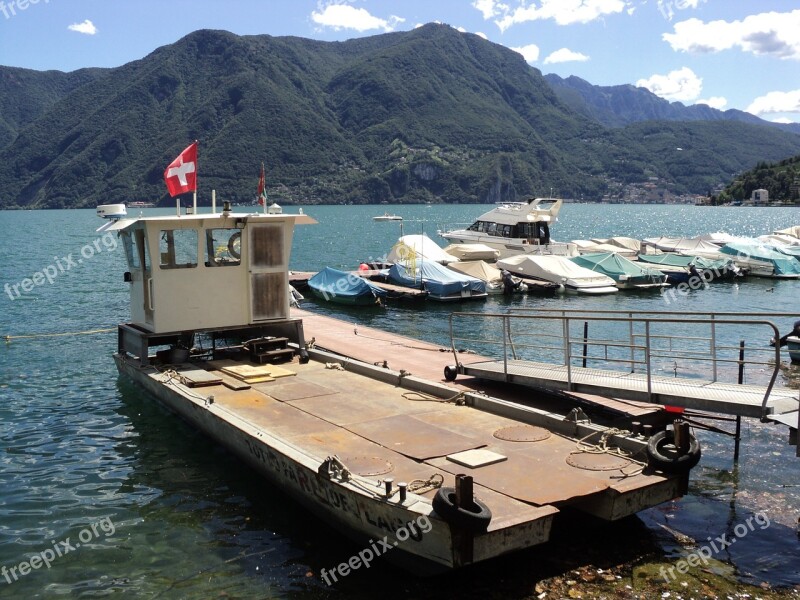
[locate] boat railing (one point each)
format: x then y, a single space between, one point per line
672 347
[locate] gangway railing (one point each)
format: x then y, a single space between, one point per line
703 346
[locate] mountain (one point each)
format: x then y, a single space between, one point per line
430 114
619 105
26 95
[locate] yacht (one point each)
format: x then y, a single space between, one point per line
516 228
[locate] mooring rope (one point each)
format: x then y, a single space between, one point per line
8 338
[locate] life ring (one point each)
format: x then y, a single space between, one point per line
671 461
235 245
474 519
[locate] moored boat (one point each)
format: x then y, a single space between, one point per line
340 287
441 283
559 270
340 436
493 277
680 267
761 260
418 247
515 228
626 274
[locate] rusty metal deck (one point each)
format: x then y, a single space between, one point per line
384 431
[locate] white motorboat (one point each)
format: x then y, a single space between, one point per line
560 270
516 228
387 217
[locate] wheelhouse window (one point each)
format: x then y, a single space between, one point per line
223 247
135 249
178 248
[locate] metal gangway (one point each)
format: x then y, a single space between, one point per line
719 363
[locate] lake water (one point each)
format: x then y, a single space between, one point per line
128 499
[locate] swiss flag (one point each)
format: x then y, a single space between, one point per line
181 174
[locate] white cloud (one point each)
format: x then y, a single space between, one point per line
344 16
782 120
490 8
776 102
481 34
681 85
563 12
565 55
87 27
669 7
530 52
717 102
772 34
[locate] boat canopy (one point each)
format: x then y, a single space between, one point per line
594 246
478 269
557 269
793 231
411 248
437 279
345 285
783 264
614 266
682 260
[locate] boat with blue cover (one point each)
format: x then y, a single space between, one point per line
340 287
762 261
441 283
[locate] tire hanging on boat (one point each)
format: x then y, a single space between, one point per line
473 519
671 462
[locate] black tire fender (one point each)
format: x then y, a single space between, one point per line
671 462
474 519
450 373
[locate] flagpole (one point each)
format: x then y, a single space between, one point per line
264 173
196 174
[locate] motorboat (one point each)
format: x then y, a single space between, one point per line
387 217
679 267
410 248
686 246
340 287
516 228
761 260
793 231
472 252
493 277
599 246
441 283
626 274
626 243
560 270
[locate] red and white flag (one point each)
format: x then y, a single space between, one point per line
262 187
181 174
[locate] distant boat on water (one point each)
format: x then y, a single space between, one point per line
387 217
141 204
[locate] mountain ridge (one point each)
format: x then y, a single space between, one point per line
426 115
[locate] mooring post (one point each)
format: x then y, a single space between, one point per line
738 437
681 431
463 491
585 341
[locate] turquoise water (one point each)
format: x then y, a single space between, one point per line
175 516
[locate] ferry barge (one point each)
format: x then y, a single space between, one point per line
368 449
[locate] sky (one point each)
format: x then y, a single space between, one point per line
742 54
